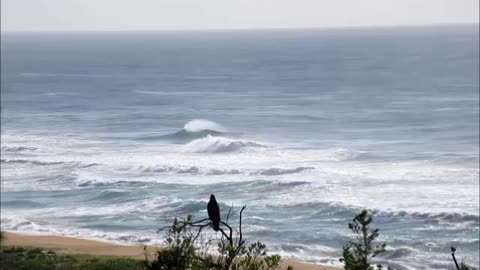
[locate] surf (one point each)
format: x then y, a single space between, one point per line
194 129
216 144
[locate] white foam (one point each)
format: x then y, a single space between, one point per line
215 144
337 174
203 124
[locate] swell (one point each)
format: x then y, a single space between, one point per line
122 183
112 195
450 217
182 135
47 163
22 204
329 208
18 148
204 136
222 187
257 188
280 171
33 162
275 171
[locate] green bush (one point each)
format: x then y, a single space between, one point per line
188 248
255 258
356 254
464 266
179 253
18 258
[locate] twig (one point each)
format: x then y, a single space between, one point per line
240 241
198 233
229 214
195 222
192 224
229 237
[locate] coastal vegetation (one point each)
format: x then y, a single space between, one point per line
189 244
188 248
29 258
358 253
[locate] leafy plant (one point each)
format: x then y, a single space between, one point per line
19 258
255 258
356 254
185 239
179 253
236 255
464 266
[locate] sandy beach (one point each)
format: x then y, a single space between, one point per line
72 245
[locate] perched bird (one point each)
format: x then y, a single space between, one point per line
214 212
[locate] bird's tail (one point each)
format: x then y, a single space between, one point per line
216 227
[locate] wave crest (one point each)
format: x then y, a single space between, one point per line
453 217
280 171
185 135
33 162
185 169
203 124
195 129
48 163
18 148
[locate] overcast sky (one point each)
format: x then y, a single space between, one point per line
67 15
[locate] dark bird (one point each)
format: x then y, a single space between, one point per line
214 212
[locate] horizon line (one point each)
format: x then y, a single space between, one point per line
359 27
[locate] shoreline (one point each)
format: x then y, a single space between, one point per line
75 245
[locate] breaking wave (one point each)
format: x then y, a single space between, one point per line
195 129
202 124
214 171
183 135
214 144
279 171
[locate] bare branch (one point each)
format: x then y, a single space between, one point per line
194 222
240 241
226 236
163 228
198 233
230 246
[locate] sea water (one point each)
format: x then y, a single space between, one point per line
113 135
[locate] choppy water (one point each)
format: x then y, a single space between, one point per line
101 137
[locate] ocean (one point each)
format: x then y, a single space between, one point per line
111 135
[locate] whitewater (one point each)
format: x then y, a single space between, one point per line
304 127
